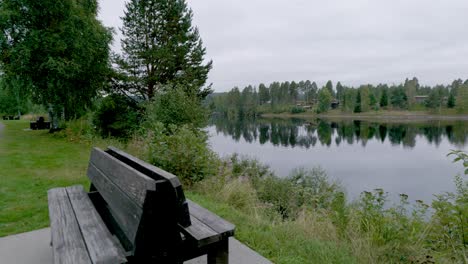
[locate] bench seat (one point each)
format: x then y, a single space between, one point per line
78 233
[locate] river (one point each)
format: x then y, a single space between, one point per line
400 157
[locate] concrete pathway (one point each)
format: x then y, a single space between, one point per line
33 248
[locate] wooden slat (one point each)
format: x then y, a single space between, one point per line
183 217
126 212
101 247
146 168
67 241
200 233
132 182
215 222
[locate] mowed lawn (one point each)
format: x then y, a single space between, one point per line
31 162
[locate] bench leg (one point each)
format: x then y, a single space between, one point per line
220 254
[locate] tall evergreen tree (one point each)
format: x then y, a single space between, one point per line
339 91
263 94
384 98
329 87
451 101
161 50
357 106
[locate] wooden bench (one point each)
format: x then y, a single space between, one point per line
135 213
40 123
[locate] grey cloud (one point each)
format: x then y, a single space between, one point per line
353 41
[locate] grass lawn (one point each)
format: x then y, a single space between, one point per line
34 161
31 163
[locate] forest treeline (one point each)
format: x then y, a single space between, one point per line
296 97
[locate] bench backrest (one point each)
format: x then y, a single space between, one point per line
143 211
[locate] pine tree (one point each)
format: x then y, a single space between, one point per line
451 101
161 49
384 98
357 106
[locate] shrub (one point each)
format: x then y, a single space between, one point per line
297 110
116 116
175 107
182 151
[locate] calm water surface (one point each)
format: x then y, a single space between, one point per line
407 157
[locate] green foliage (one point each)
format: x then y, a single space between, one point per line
462 99
182 151
358 104
324 101
175 107
411 87
451 101
349 100
297 110
161 50
398 98
116 116
13 100
59 49
365 98
329 87
384 98
435 99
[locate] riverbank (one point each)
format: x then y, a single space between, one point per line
373 116
301 219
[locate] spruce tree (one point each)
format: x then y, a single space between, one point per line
357 106
451 101
384 98
161 50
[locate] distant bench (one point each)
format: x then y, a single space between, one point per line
135 213
10 117
40 123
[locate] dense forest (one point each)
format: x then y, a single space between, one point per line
296 97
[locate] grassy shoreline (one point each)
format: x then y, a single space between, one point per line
302 220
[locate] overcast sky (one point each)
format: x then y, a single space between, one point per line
352 41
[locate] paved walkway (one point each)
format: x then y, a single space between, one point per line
33 248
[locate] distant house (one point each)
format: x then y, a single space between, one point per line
334 104
420 98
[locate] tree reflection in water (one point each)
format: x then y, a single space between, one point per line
300 133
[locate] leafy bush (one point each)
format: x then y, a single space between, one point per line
116 116
297 110
182 151
175 107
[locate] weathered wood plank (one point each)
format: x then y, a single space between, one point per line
215 222
132 182
200 234
146 168
101 245
183 217
126 212
67 241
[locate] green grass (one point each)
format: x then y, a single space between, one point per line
31 163
281 242
34 161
